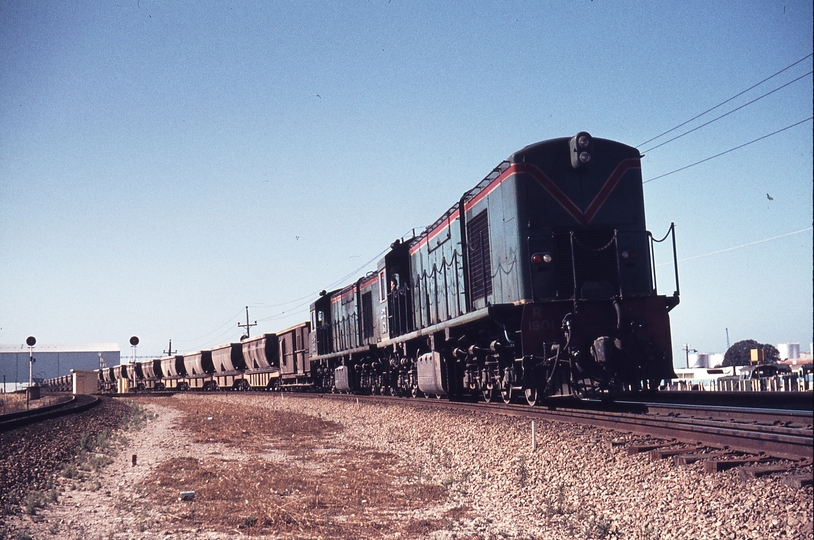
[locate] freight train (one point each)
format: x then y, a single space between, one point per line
539 281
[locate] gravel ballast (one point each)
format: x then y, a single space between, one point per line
492 484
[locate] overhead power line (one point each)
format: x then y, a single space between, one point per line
727 113
229 323
725 101
728 151
739 247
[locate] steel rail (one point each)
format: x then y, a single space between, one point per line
78 403
732 428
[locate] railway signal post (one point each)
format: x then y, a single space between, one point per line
30 393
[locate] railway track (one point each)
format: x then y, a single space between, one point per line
75 404
763 433
778 426
777 433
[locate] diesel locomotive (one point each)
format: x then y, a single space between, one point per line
539 281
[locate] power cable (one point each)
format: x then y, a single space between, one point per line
728 151
725 101
738 247
213 331
727 114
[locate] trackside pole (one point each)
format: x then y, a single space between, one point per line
533 435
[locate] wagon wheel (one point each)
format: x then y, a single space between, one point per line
531 396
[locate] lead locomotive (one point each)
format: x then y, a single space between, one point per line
539 281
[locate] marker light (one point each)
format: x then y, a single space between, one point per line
581 149
540 258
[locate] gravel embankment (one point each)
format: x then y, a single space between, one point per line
575 485
31 455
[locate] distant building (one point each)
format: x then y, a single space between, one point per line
54 360
788 351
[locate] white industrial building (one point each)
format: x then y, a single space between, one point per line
54 360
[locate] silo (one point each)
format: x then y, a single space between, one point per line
699 360
716 360
789 351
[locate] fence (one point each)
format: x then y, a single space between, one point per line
778 383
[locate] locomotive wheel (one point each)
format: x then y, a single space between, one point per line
489 394
507 393
531 396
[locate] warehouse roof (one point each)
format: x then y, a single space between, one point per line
62 348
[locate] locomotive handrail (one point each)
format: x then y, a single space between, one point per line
670 233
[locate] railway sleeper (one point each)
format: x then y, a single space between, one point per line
634 449
666 452
719 465
689 459
798 481
748 473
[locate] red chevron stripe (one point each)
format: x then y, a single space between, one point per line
608 187
552 188
601 197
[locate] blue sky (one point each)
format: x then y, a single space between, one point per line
164 164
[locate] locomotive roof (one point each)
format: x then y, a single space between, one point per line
497 171
517 157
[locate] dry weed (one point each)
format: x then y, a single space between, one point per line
314 485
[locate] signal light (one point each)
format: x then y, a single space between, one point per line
581 147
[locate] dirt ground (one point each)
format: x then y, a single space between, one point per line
253 472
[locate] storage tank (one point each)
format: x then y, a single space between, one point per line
699 360
716 360
789 351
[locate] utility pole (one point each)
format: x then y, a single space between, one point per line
247 326
169 351
687 352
